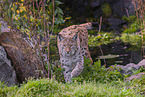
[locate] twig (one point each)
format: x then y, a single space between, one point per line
102 54
100 24
127 12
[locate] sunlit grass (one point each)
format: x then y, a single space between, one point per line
51 88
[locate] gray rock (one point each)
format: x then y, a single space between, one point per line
127 69
84 8
24 59
129 6
136 76
142 63
95 3
7 73
4 26
115 22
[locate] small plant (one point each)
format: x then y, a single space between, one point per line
107 11
100 39
133 28
129 19
96 72
133 39
56 71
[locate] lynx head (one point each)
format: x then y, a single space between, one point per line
68 45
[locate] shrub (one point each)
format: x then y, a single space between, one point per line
133 39
96 72
100 39
133 28
129 19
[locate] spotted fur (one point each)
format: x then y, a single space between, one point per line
73 46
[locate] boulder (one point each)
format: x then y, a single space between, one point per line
128 7
129 68
93 8
115 23
142 63
7 73
4 26
119 7
95 3
24 59
136 76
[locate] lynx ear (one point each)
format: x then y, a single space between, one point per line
75 37
60 37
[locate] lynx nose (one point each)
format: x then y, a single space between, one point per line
67 49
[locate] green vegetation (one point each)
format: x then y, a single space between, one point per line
100 39
98 73
95 80
104 38
51 88
133 39
129 19
132 28
107 11
129 35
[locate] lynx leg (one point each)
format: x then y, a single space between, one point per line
67 73
78 68
89 56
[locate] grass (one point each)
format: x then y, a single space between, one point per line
51 88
